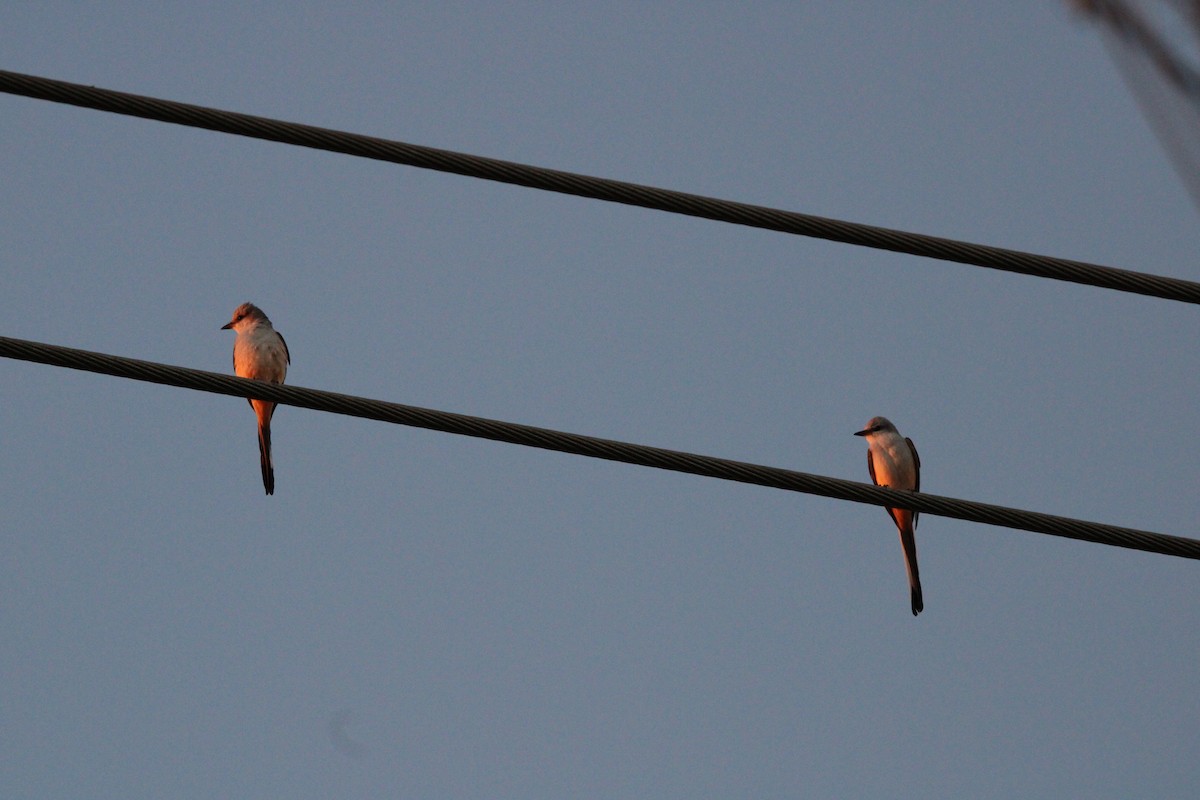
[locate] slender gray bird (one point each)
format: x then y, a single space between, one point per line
259 353
893 462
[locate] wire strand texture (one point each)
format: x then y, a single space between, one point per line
577 444
599 188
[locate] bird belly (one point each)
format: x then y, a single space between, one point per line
260 362
893 470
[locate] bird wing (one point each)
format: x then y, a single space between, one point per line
916 460
917 485
288 355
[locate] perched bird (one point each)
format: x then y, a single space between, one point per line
894 463
259 353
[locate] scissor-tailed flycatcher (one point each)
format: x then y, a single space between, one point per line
894 463
259 353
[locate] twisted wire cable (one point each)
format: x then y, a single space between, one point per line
599 188
544 438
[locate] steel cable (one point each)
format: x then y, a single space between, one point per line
600 188
544 438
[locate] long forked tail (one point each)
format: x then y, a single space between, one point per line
908 541
918 602
264 456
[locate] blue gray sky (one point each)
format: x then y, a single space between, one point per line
420 615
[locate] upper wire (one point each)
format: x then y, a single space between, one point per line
601 188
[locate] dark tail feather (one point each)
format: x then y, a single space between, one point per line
264 458
908 542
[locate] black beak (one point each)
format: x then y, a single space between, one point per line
862 433
229 325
